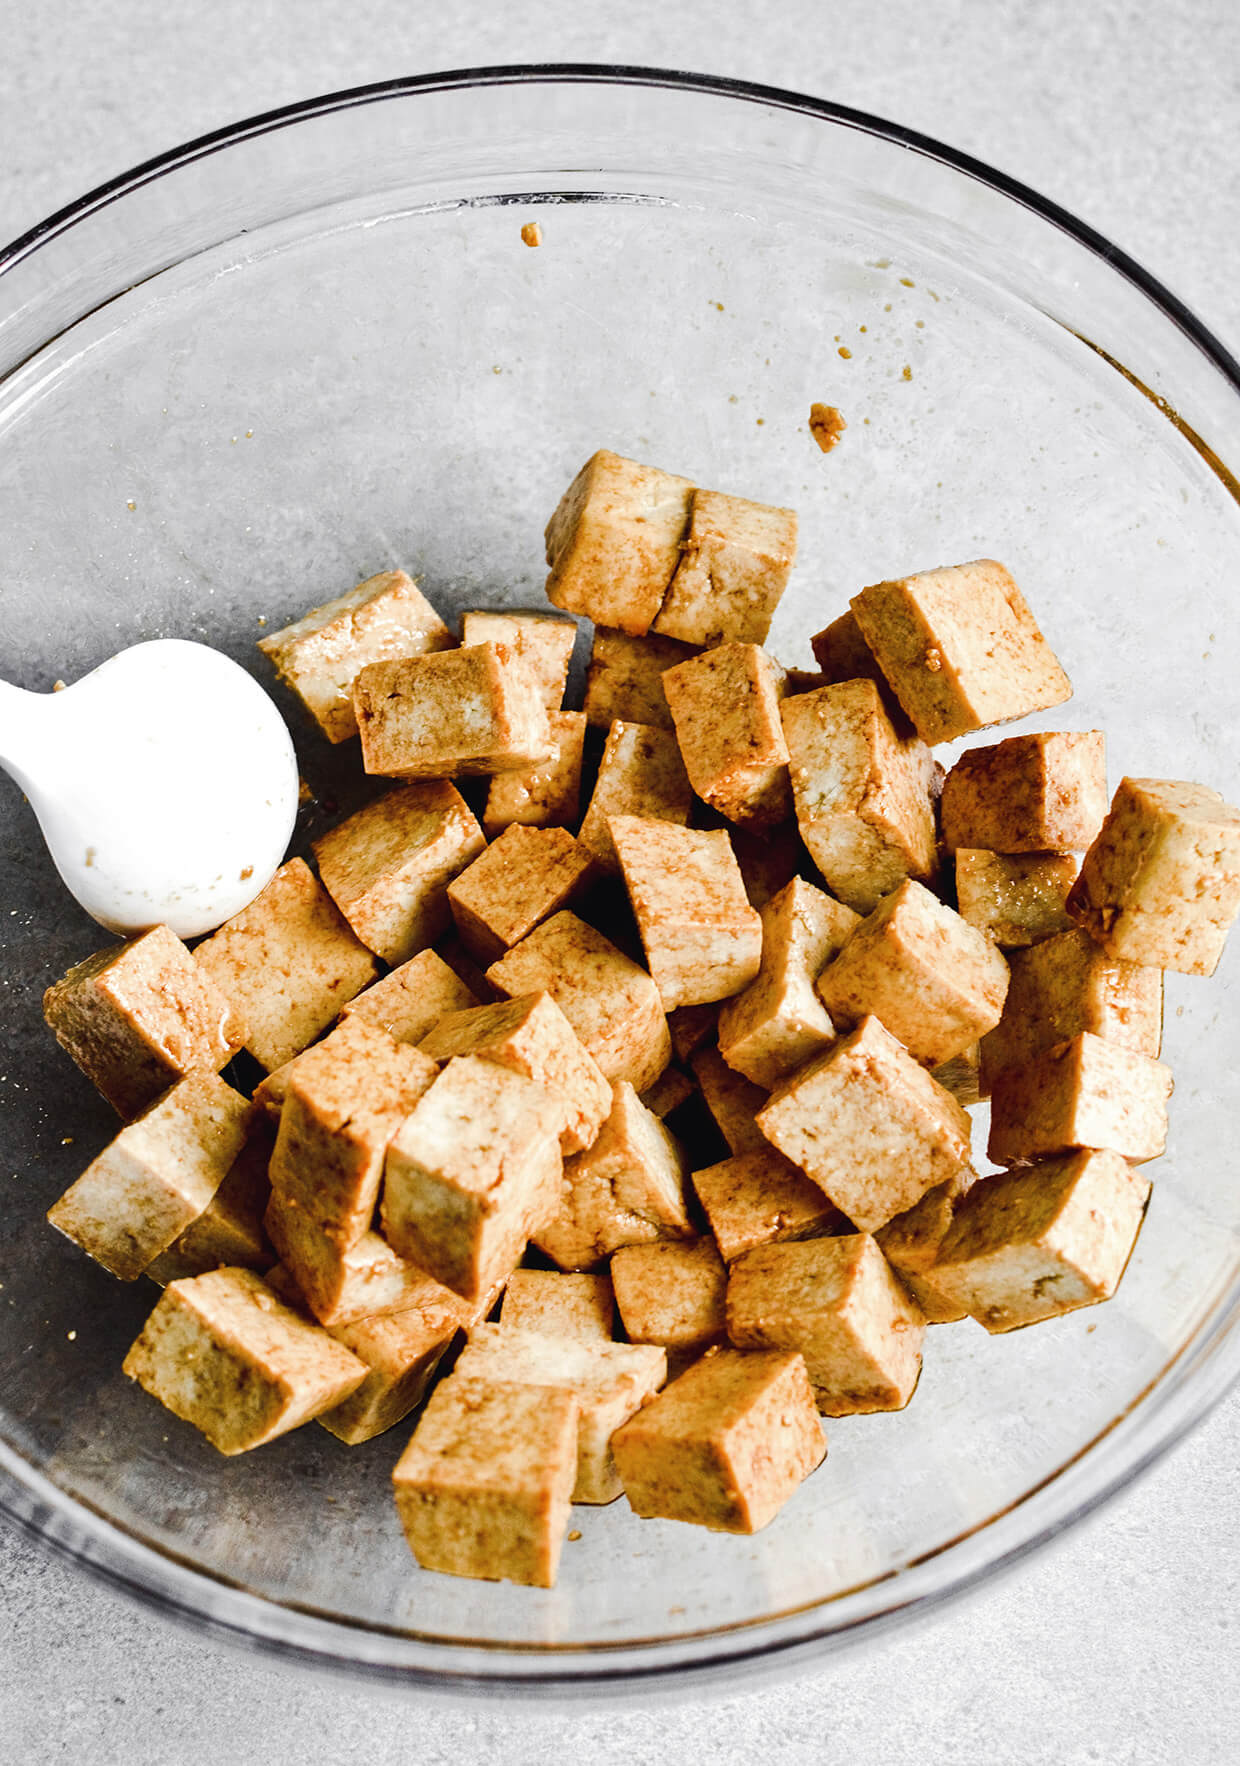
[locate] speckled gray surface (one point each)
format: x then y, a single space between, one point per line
1116 1645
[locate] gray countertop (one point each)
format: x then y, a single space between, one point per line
1116 1644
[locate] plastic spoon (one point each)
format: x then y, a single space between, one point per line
164 781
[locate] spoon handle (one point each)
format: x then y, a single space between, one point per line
21 730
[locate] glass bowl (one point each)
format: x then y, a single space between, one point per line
315 346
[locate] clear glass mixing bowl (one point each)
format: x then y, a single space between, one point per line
313 347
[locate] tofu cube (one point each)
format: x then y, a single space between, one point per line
670 1090
932 979
340 1286
778 1022
518 881
412 999
761 1198
1015 900
1082 1093
864 797
869 1125
624 682
725 1445
560 1304
838 1302
483 1487
473 1171
1067 984
641 773
1044 792
734 566
1161 883
286 964
320 656
613 543
610 1381
456 711
610 1001
220 1351
541 641
230 1228
671 1293
961 1075
401 1352
156 1176
343 1105
627 1189
960 648
733 1100
1027 1245
388 867
702 939
530 1035
137 1017
691 1026
725 708
912 1241
546 795
842 654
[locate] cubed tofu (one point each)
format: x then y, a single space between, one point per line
286 964
1082 1093
611 1381
864 797
1161 883
761 1198
1042 792
543 642
368 1280
869 1125
610 1001
522 878
156 1176
560 1304
388 867
838 1302
641 773
412 999
484 1486
961 1075
735 562
691 1026
627 1189
230 1228
672 1293
530 1035
220 1351
702 939
1027 1245
932 979
624 682
842 654
472 1172
547 795
1015 900
960 648
343 1105
733 1100
456 711
912 1241
137 1017
320 656
401 1351
613 543
725 1445
271 1091
779 1022
1067 984
670 1090
725 708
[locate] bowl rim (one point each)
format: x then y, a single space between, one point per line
122 1560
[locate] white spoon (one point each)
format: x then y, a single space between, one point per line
164 781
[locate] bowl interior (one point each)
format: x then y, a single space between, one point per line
346 360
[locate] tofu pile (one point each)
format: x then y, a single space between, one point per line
679 1065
